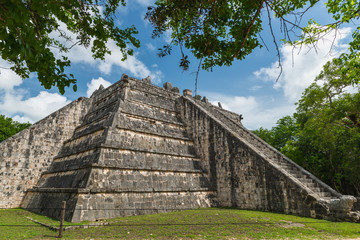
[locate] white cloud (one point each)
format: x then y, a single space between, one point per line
257 112
145 2
95 84
301 66
135 66
82 55
13 104
167 36
255 88
235 103
21 119
299 69
8 78
150 46
31 109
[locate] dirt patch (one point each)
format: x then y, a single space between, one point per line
289 224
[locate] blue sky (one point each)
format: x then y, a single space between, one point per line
247 87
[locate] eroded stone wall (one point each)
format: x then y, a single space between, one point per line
142 149
242 177
131 155
24 156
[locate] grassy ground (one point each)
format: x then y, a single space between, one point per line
192 224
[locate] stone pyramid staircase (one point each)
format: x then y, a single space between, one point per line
312 184
272 181
131 155
143 149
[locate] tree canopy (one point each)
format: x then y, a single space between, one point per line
26 41
324 134
8 127
217 32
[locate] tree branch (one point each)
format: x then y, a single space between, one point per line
249 28
264 42
197 75
274 39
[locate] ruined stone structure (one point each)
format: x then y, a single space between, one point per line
135 148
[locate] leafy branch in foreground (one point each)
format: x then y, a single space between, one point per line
27 30
222 31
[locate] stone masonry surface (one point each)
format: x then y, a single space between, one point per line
24 156
135 148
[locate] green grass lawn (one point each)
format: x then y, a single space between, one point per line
211 223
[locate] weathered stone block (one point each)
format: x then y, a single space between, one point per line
147 80
167 86
187 92
198 97
175 89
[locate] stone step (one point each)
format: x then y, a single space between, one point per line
126 159
149 111
155 100
104 104
69 179
178 123
320 191
316 189
105 94
153 105
136 159
154 90
311 185
96 205
231 115
75 161
304 179
268 152
293 172
154 133
87 128
285 166
143 180
88 137
94 114
89 124
100 191
103 99
151 125
70 154
189 167
83 143
115 179
126 138
314 186
324 194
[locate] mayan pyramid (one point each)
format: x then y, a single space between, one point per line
135 148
